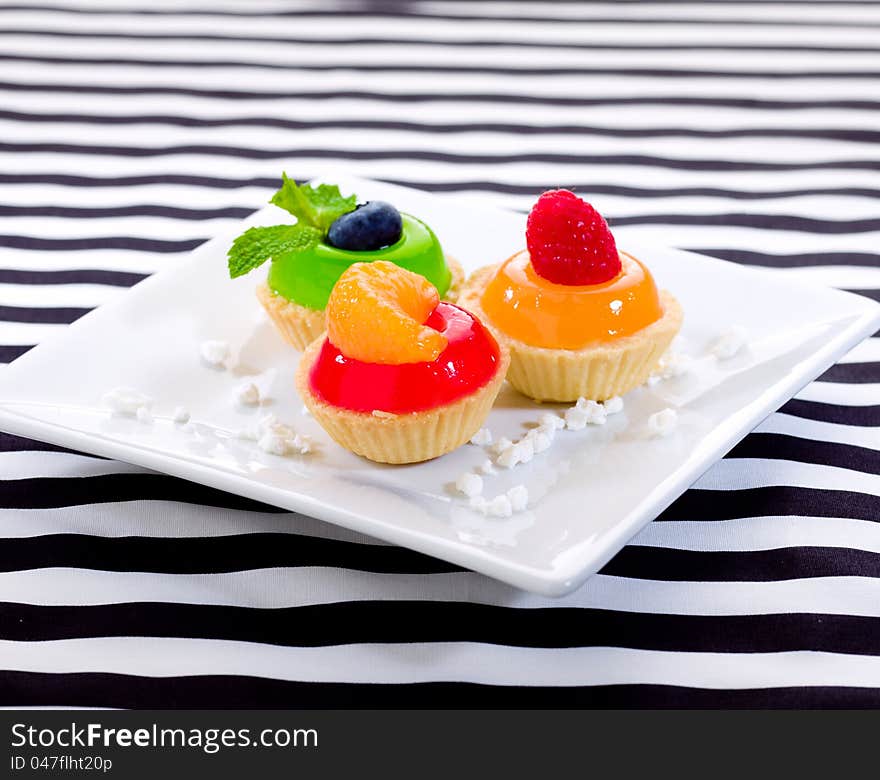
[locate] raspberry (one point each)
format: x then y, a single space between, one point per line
569 242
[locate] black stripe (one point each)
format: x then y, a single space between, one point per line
360 67
830 133
269 183
760 221
209 554
426 154
874 295
95 689
855 373
779 446
417 97
834 413
434 621
710 505
100 242
84 276
245 552
793 261
788 563
141 210
11 443
7 355
44 493
48 315
400 11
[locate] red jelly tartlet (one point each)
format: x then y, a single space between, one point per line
401 376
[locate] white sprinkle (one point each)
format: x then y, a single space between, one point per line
180 415
276 438
469 484
214 353
663 423
594 411
541 440
518 496
729 343
675 364
305 411
486 467
575 418
125 401
247 394
519 452
273 444
302 443
500 506
479 503
144 415
482 437
502 444
551 420
613 405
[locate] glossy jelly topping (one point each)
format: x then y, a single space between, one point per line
392 346
468 362
376 314
306 277
528 307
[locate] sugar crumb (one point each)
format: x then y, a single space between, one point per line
215 353
663 423
482 437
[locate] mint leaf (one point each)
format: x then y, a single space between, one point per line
315 206
257 244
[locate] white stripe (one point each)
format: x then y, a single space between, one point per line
164 228
818 430
842 393
46 295
746 473
440 112
614 206
502 57
403 29
866 352
522 173
27 333
176 195
131 261
36 464
765 13
164 519
775 150
459 661
439 83
279 588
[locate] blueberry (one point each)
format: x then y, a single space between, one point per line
369 227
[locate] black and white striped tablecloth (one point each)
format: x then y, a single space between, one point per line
130 131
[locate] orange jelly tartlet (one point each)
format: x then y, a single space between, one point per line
401 376
580 318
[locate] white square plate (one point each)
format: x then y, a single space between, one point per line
589 493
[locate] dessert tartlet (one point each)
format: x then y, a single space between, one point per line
581 319
332 233
401 376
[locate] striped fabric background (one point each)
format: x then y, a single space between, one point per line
130 131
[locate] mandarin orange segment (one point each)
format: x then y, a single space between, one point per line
376 314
